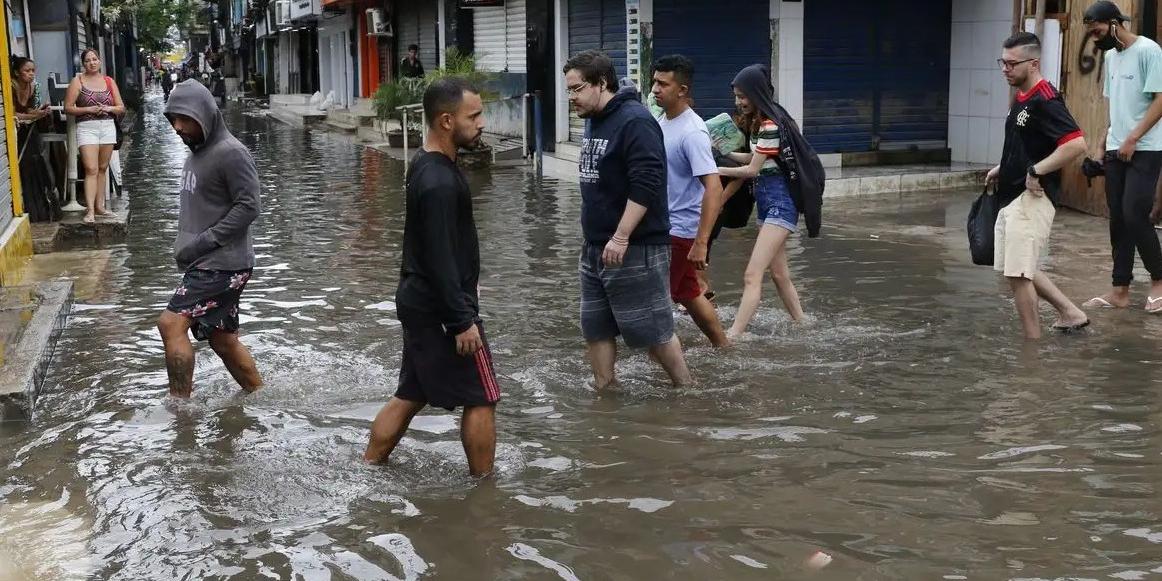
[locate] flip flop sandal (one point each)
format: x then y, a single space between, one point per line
1071 328
1154 305
88 219
1098 302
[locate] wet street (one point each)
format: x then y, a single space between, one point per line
905 429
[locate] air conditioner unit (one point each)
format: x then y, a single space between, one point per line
378 23
282 10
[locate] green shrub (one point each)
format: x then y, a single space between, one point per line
389 97
463 64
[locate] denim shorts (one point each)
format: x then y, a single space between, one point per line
631 300
775 206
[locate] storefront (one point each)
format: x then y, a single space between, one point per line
15 235
740 37
298 52
336 63
499 37
875 78
596 25
375 46
417 22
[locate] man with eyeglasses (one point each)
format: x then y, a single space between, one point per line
1041 137
1131 152
625 259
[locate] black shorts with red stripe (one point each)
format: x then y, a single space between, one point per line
433 373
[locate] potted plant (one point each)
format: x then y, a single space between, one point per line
475 156
463 65
388 100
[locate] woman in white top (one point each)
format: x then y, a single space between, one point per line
94 100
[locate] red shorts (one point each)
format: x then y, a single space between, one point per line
683 276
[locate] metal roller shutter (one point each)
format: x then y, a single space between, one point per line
600 25
838 80
82 33
873 79
739 37
417 25
499 37
913 76
5 178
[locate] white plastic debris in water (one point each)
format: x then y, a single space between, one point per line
818 560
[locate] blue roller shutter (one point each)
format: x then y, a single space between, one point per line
720 36
600 25
596 25
875 77
913 76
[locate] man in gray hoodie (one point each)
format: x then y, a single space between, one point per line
214 248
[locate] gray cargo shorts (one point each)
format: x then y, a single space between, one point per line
631 300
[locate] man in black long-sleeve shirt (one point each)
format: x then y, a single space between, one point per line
446 360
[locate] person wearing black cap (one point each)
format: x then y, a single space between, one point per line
1131 150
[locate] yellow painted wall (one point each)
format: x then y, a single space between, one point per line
15 250
16 240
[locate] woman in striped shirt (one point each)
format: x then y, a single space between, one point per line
778 217
95 101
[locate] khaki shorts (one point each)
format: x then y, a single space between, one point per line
1022 236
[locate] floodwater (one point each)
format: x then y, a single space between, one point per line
905 430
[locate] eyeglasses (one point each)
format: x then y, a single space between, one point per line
1006 65
572 91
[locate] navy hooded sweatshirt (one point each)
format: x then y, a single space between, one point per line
623 157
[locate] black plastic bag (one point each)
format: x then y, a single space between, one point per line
737 210
120 132
982 221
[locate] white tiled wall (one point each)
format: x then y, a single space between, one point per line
978 96
790 73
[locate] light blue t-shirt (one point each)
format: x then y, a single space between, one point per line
1132 77
688 158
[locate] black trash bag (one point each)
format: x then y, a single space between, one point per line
982 221
737 210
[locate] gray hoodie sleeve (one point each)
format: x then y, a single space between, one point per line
241 178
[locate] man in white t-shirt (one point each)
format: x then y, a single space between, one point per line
693 188
1131 151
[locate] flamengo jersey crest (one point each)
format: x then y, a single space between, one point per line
1022 117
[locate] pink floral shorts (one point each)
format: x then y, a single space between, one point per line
210 298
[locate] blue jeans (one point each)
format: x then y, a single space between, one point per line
775 206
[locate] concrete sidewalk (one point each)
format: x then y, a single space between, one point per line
73 234
33 318
295 110
33 314
842 182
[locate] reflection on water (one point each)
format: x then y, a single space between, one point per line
903 429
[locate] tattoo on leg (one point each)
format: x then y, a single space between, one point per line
181 374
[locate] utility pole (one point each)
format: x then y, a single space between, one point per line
1039 27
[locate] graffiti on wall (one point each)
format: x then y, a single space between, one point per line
1089 59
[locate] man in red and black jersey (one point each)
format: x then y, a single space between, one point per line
1041 137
